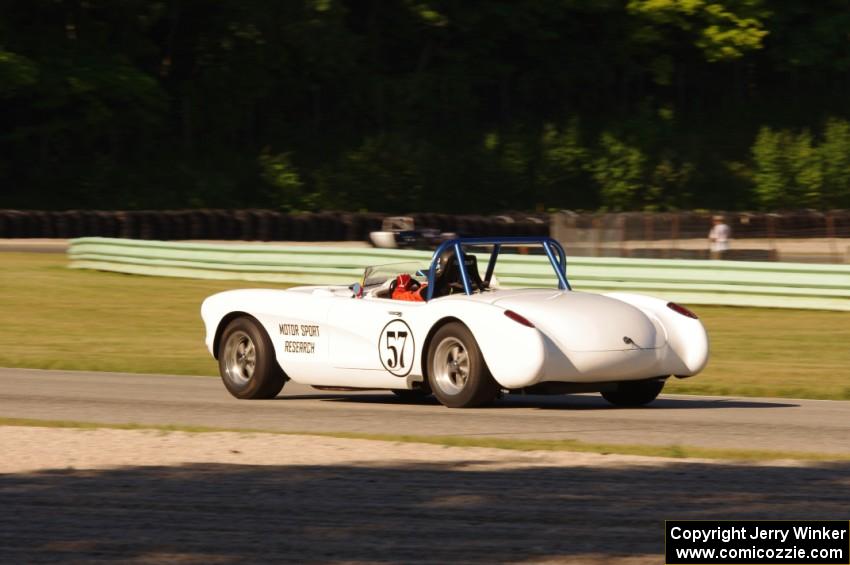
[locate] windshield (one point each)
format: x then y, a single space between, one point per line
379 274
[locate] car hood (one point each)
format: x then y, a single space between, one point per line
579 321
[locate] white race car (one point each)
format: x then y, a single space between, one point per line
455 334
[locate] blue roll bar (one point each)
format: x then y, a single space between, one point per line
554 251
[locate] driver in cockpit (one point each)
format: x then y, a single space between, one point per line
405 287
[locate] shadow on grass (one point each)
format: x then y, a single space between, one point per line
216 513
562 402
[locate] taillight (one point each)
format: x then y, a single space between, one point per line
681 310
517 318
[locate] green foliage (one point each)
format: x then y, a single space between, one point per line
619 170
424 104
381 174
729 35
782 159
669 183
810 35
562 169
793 169
625 176
15 72
834 152
286 188
722 31
507 164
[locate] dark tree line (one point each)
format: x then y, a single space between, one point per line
397 105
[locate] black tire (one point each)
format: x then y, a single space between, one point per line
637 393
246 361
451 343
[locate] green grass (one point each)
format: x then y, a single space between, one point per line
773 352
670 451
52 317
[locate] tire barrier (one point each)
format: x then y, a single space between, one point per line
244 225
271 225
733 283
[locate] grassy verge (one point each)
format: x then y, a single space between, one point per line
52 317
773 352
670 451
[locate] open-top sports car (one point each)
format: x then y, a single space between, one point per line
444 329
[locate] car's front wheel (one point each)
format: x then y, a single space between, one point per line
635 393
457 373
246 361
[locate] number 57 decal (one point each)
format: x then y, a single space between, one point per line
396 348
398 358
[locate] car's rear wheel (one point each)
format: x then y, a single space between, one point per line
636 393
246 361
457 373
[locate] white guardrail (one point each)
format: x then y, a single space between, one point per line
731 283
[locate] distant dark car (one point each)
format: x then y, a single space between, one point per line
400 232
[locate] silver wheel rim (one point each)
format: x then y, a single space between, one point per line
451 366
240 357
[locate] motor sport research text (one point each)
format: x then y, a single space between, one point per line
756 533
396 364
299 330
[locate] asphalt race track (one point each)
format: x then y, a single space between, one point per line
460 507
722 422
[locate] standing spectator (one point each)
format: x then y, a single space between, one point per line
718 237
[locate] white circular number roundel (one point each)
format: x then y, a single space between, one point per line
396 348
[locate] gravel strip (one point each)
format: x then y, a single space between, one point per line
145 496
